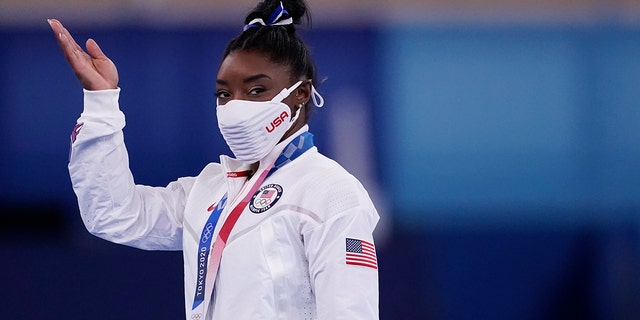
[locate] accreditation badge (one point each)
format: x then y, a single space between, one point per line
265 198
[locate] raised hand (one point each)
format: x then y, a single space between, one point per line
92 68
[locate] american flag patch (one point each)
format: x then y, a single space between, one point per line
268 193
361 253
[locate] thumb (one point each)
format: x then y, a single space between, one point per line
94 50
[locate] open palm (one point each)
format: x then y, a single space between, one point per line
93 68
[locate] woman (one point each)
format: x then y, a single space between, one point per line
279 231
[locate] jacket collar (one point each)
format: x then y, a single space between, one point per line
232 165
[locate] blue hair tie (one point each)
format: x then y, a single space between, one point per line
279 17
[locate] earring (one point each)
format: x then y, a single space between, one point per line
300 106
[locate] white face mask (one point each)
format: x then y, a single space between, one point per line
253 128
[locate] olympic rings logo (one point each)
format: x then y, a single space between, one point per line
206 233
261 203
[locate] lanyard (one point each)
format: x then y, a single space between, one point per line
209 265
203 250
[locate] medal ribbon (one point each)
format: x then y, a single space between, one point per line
209 265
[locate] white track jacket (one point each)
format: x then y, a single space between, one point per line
307 255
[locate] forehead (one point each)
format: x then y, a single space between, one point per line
242 64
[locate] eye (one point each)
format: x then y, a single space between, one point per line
256 91
221 94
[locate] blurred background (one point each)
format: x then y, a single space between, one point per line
500 141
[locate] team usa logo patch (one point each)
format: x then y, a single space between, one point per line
76 131
265 198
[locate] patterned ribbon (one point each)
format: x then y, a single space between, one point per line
294 149
279 17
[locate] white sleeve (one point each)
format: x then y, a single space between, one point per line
112 207
344 289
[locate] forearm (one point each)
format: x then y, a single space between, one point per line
111 205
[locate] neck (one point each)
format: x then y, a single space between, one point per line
299 123
254 166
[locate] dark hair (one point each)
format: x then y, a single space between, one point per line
281 44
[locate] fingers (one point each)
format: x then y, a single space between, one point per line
56 26
94 50
60 33
72 51
102 64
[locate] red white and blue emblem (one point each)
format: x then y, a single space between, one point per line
265 198
76 131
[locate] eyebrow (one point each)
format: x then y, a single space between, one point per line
247 79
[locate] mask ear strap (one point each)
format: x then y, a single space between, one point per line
296 113
285 92
318 100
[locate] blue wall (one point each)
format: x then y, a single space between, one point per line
508 155
522 117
